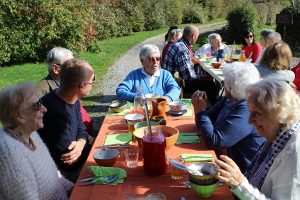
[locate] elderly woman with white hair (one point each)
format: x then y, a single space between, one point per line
27 169
213 46
225 125
150 76
274 171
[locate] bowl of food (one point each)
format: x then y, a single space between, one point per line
106 157
205 170
118 106
204 191
216 65
203 182
169 132
177 106
211 59
134 117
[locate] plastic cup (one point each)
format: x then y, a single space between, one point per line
130 124
176 173
132 157
207 54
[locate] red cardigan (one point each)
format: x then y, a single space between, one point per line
255 48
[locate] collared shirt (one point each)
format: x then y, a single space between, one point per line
151 79
178 58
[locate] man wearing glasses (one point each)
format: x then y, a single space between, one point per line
150 76
179 59
64 132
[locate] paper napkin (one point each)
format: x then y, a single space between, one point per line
201 158
106 171
188 138
118 138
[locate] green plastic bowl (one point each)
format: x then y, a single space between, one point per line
204 191
144 123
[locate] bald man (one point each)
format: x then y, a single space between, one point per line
179 58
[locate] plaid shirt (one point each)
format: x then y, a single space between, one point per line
178 58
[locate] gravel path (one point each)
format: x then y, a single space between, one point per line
127 63
122 67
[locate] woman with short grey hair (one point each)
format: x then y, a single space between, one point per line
225 125
274 171
214 45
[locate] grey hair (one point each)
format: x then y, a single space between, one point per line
147 50
279 100
238 75
212 36
57 55
266 33
172 34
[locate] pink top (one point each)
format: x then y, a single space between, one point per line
255 49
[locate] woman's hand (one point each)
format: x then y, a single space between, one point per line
229 172
199 101
75 148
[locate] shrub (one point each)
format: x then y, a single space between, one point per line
241 18
30 29
110 21
194 13
262 10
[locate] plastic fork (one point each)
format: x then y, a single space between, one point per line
108 181
92 178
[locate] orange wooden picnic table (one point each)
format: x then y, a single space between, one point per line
137 184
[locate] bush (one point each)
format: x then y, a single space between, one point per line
262 10
30 29
194 13
110 21
241 18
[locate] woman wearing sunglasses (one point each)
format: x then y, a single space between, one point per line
27 169
252 48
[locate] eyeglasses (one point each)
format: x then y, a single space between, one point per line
89 82
153 59
249 36
177 30
36 106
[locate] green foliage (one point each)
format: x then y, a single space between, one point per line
267 13
194 13
30 29
292 32
243 17
110 21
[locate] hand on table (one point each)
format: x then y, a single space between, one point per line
229 172
199 101
75 148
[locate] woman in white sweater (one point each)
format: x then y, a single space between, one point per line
27 169
274 171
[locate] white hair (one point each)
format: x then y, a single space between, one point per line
57 55
147 50
238 75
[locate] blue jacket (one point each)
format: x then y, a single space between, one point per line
225 126
164 85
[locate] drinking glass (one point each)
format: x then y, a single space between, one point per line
132 157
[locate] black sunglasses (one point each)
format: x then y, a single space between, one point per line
36 106
153 59
249 36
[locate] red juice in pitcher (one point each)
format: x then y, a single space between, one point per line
154 152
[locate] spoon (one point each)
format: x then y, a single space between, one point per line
183 166
92 178
181 158
161 120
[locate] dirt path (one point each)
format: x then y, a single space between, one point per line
122 67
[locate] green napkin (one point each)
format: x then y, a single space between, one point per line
194 138
187 114
106 171
110 112
118 138
205 158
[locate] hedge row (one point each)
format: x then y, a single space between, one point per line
30 28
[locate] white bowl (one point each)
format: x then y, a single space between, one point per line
134 117
177 106
211 59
